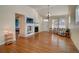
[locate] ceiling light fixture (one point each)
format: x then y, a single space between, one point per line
48 12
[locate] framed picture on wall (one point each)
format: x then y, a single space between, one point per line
29 20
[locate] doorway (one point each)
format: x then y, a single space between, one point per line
19 24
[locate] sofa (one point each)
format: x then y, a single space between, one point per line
62 32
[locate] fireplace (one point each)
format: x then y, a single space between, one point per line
36 28
29 29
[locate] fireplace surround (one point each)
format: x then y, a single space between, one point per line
29 30
36 29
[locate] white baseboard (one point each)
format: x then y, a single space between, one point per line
27 35
1 43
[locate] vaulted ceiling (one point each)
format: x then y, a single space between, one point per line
54 10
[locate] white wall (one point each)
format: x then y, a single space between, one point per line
7 17
45 26
74 28
40 23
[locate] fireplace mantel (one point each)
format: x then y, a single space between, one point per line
29 29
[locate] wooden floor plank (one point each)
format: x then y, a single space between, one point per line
43 42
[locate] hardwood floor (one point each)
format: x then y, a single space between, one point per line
44 42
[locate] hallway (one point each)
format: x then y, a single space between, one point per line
43 42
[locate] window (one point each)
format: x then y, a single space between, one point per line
77 15
61 23
17 23
58 23
54 23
